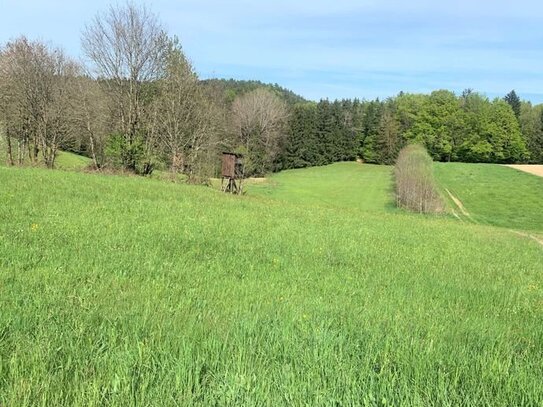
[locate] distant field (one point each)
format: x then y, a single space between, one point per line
495 194
128 291
346 185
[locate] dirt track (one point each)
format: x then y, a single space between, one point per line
532 169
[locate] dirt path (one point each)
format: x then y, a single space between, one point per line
459 204
532 169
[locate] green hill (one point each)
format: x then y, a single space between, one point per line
494 194
231 88
307 291
344 185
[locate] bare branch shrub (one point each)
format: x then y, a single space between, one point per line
415 185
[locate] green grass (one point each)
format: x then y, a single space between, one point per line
495 194
71 162
342 185
128 291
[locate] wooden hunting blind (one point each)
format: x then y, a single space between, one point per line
232 172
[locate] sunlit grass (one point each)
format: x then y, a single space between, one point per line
346 185
494 194
129 291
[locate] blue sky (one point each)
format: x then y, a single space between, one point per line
334 49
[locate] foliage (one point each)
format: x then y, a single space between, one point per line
514 101
141 87
468 128
531 124
230 89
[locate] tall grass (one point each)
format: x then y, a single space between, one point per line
125 291
416 189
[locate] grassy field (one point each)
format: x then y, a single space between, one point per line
495 194
342 185
129 291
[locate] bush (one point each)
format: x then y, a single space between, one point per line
415 185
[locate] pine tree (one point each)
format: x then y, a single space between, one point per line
514 102
370 125
388 141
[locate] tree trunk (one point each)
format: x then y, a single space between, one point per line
10 153
93 152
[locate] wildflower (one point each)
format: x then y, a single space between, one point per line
34 227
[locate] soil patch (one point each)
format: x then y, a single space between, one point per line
532 169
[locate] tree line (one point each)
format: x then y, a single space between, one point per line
468 128
137 105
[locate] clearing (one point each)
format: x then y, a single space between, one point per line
342 185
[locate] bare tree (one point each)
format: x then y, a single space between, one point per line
184 121
37 84
92 117
416 188
259 118
127 46
6 111
18 102
60 104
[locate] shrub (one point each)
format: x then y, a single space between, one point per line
415 185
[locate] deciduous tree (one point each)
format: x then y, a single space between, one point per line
259 119
127 46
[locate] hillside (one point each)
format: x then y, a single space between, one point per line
231 88
494 194
124 288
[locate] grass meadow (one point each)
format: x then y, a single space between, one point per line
344 185
494 194
308 291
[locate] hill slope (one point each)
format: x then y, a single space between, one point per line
495 194
121 288
231 88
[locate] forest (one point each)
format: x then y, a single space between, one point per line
137 105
